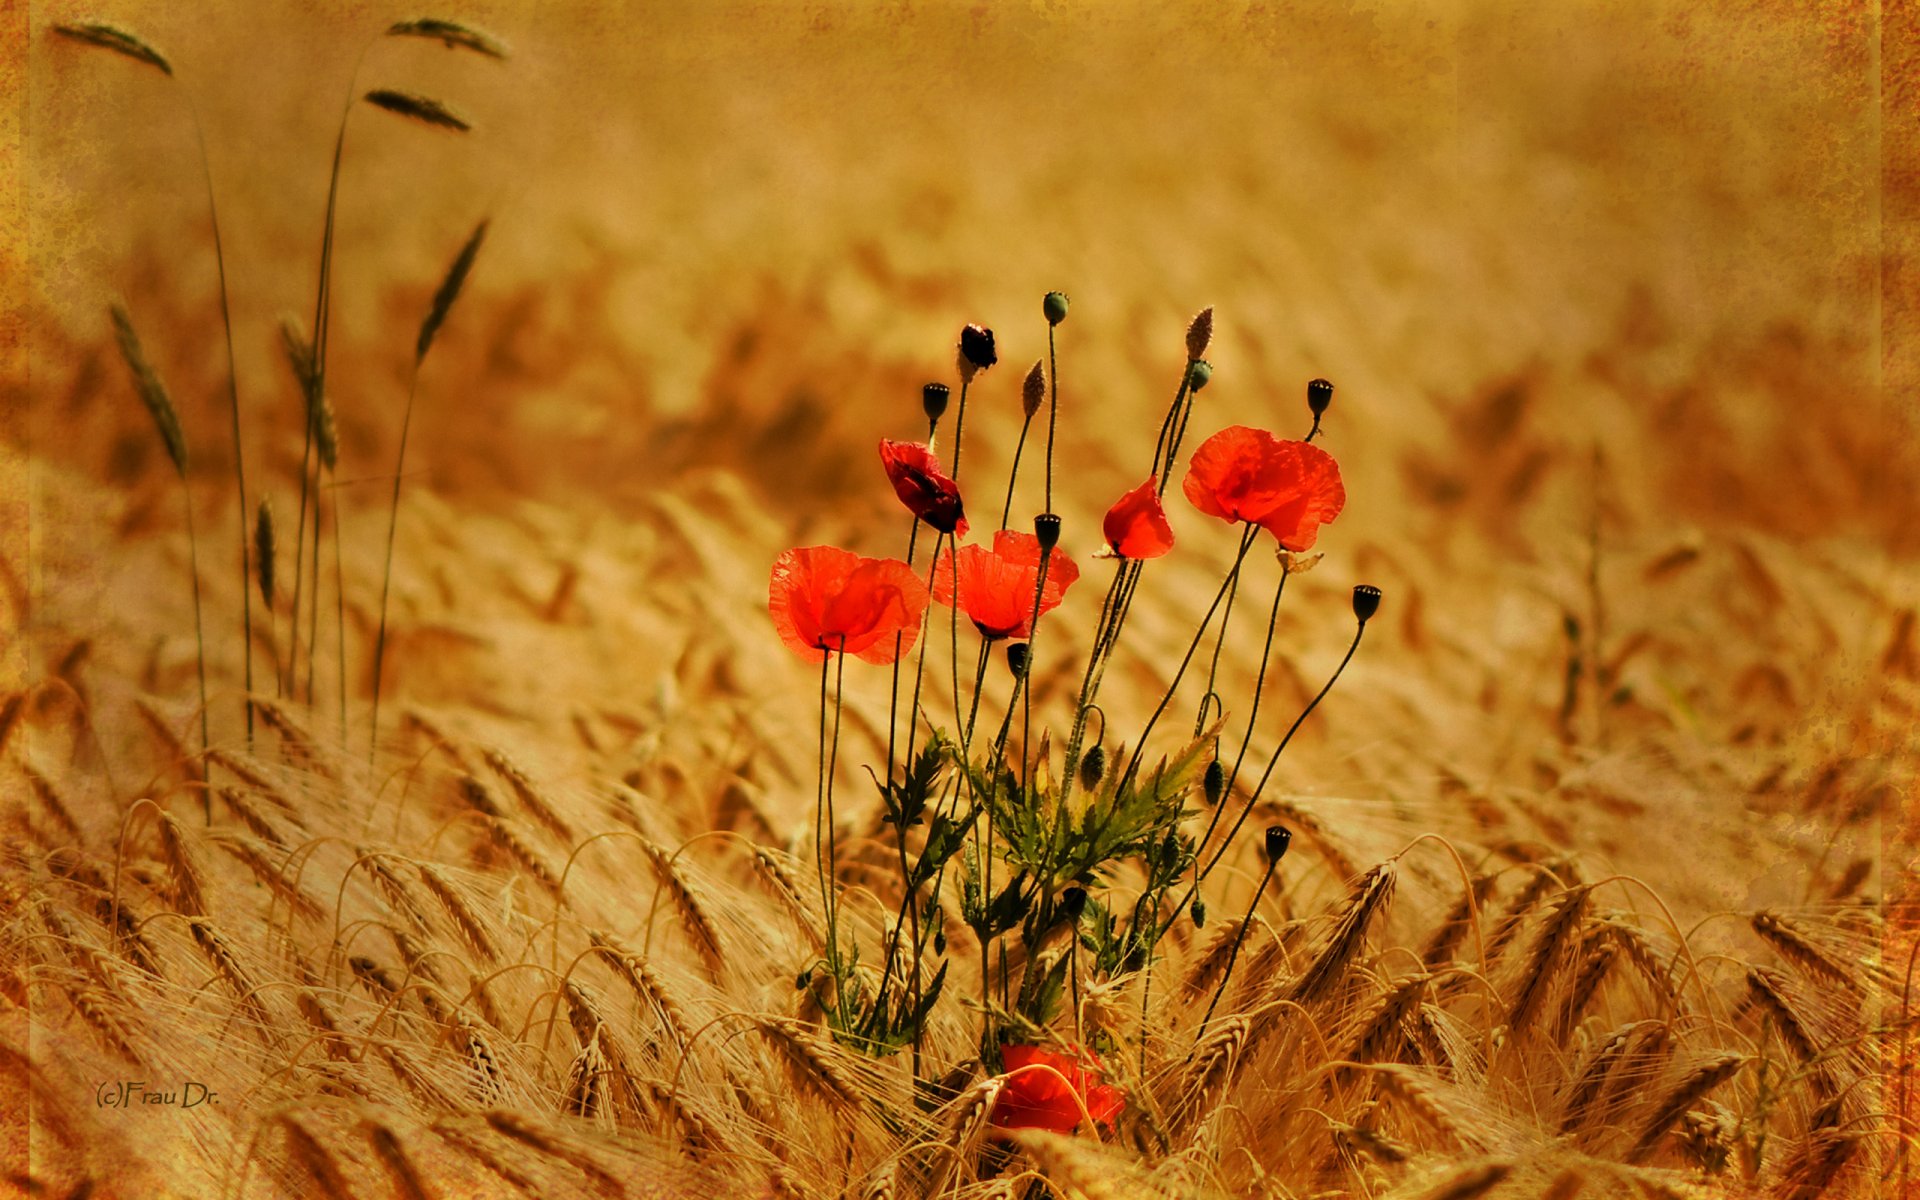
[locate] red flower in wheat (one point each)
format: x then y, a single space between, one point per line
996 587
1288 488
1047 1090
917 479
1136 526
824 598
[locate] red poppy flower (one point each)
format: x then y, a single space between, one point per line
997 586
825 598
1288 488
1045 1090
1136 526
918 481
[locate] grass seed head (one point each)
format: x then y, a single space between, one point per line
119 41
420 108
451 34
153 393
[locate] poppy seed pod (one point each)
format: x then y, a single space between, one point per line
1055 307
1366 602
1073 902
933 399
1033 390
1017 659
1214 783
1199 913
1278 838
1046 527
804 980
939 941
1093 768
1200 332
1319 395
976 350
1199 373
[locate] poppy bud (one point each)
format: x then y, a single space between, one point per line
1366 602
1017 659
1199 373
1046 527
933 398
1055 306
1198 912
1200 332
939 941
1319 395
976 350
1214 782
1278 837
1034 390
1073 902
1093 767
804 980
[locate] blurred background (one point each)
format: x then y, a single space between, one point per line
1597 283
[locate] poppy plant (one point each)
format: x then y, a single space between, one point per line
1288 488
1047 1090
824 598
1136 526
996 587
928 493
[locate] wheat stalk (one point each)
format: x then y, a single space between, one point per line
1691 1087
1370 894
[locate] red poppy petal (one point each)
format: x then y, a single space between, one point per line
1136 526
930 495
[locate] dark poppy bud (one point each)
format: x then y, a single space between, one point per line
933 398
1073 902
1278 837
1033 390
1046 528
1319 395
1055 306
1017 659
804 980
1199 373
939 941
1171 846
1093 767
1214 782
1366 602
1199 913
976 350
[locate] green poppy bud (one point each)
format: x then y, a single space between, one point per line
1199 912
1055 307
1199 373
1214 782
1093 768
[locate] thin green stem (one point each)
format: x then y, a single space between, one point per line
1053 410
386 574
833 850
1013 476
1233 954
199 635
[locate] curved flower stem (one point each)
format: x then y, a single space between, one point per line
1233 954
1089 681
1140 749
1278 751
1013 476
1213 666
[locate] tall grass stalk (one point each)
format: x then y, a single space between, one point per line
443 301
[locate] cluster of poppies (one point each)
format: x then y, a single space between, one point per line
826 599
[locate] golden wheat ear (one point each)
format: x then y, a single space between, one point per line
119 41
420 108
451 34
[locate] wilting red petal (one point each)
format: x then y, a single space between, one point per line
825 598
996 587
1136 526
1289 488
917 480
1047 1090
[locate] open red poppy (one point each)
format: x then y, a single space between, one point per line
1047 1090
824 598
997 586
917 480
1288 488
1136 526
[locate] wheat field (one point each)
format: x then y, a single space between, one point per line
1604 854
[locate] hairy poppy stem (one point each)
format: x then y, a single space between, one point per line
1213 666
1013 476
1161 446
1259 685
1140 749
1053 412
825 849
1253 799
1090 680
1233 954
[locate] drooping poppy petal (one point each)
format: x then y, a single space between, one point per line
996 587
1048 1090
824 598
1289 488
1136 526
928 493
